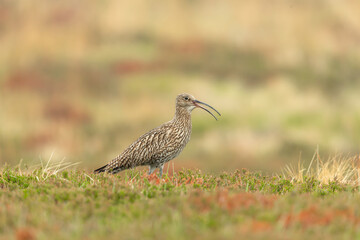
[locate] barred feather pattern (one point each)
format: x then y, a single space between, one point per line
157 146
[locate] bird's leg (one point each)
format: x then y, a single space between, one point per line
151 169
161 169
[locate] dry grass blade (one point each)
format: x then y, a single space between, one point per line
91 179
339 168
51 168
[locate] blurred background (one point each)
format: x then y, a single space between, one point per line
85 79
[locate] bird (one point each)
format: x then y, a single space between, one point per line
161 144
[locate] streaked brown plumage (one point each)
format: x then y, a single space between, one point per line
161 144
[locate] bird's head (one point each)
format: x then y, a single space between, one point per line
189 102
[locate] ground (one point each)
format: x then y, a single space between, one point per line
187 205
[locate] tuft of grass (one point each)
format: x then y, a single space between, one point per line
47 169
337 168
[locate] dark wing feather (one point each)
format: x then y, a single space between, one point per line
100 170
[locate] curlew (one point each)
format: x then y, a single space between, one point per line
161 144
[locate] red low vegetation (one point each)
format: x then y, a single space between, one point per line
61 111
231 202
313 216
25 234
27 80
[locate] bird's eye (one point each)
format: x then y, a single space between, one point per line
186 98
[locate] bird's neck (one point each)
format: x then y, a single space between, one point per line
182 116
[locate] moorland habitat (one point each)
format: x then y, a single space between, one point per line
80 81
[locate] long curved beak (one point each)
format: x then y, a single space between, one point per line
196 103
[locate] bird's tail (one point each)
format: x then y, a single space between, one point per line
100 170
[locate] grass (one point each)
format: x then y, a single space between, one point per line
342 169
72 204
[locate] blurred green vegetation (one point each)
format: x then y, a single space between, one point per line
185 204
84 80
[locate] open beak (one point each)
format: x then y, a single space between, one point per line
196 103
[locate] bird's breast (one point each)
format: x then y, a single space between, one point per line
181 135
